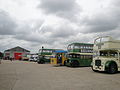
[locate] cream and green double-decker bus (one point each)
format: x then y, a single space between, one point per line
44 55
106 55
79 54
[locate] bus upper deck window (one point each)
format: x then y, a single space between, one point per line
76 47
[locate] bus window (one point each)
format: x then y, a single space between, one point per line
108 53
76 47
113 54
77 55
47 57
74 56
81 56
103 53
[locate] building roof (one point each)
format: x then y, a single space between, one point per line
16 48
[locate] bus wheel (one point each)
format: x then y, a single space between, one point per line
74 63
64 63
38 62
93 69
112 68
42 62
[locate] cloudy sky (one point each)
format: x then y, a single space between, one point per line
56 23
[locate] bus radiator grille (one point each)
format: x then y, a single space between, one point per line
97 62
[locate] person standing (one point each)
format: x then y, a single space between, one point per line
10 58
0 60
1 56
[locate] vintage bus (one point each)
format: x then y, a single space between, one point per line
44 55
59 57
79 54
106 55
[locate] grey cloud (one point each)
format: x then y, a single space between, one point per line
56 6
105 21
7 24
64 31
33 38
101 24
27 37
29 31
6 42
114 34
48 34
68 9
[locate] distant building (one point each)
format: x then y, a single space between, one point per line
17 53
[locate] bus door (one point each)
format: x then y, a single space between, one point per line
59 58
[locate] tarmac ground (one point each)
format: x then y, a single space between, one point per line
24 75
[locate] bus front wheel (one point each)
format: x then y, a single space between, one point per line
41 62
38 62
112 68
74 64
94 70
64 63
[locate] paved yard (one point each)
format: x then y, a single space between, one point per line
22 75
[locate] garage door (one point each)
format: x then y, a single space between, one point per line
18 56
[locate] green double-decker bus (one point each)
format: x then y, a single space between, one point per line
44 55
79 54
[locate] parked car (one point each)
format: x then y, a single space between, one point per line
24 58
34 59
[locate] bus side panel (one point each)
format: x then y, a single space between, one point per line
85 62
63 60
54 61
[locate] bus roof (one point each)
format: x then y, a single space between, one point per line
112 49
60 51
77 43
110 43
49 49
81 53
